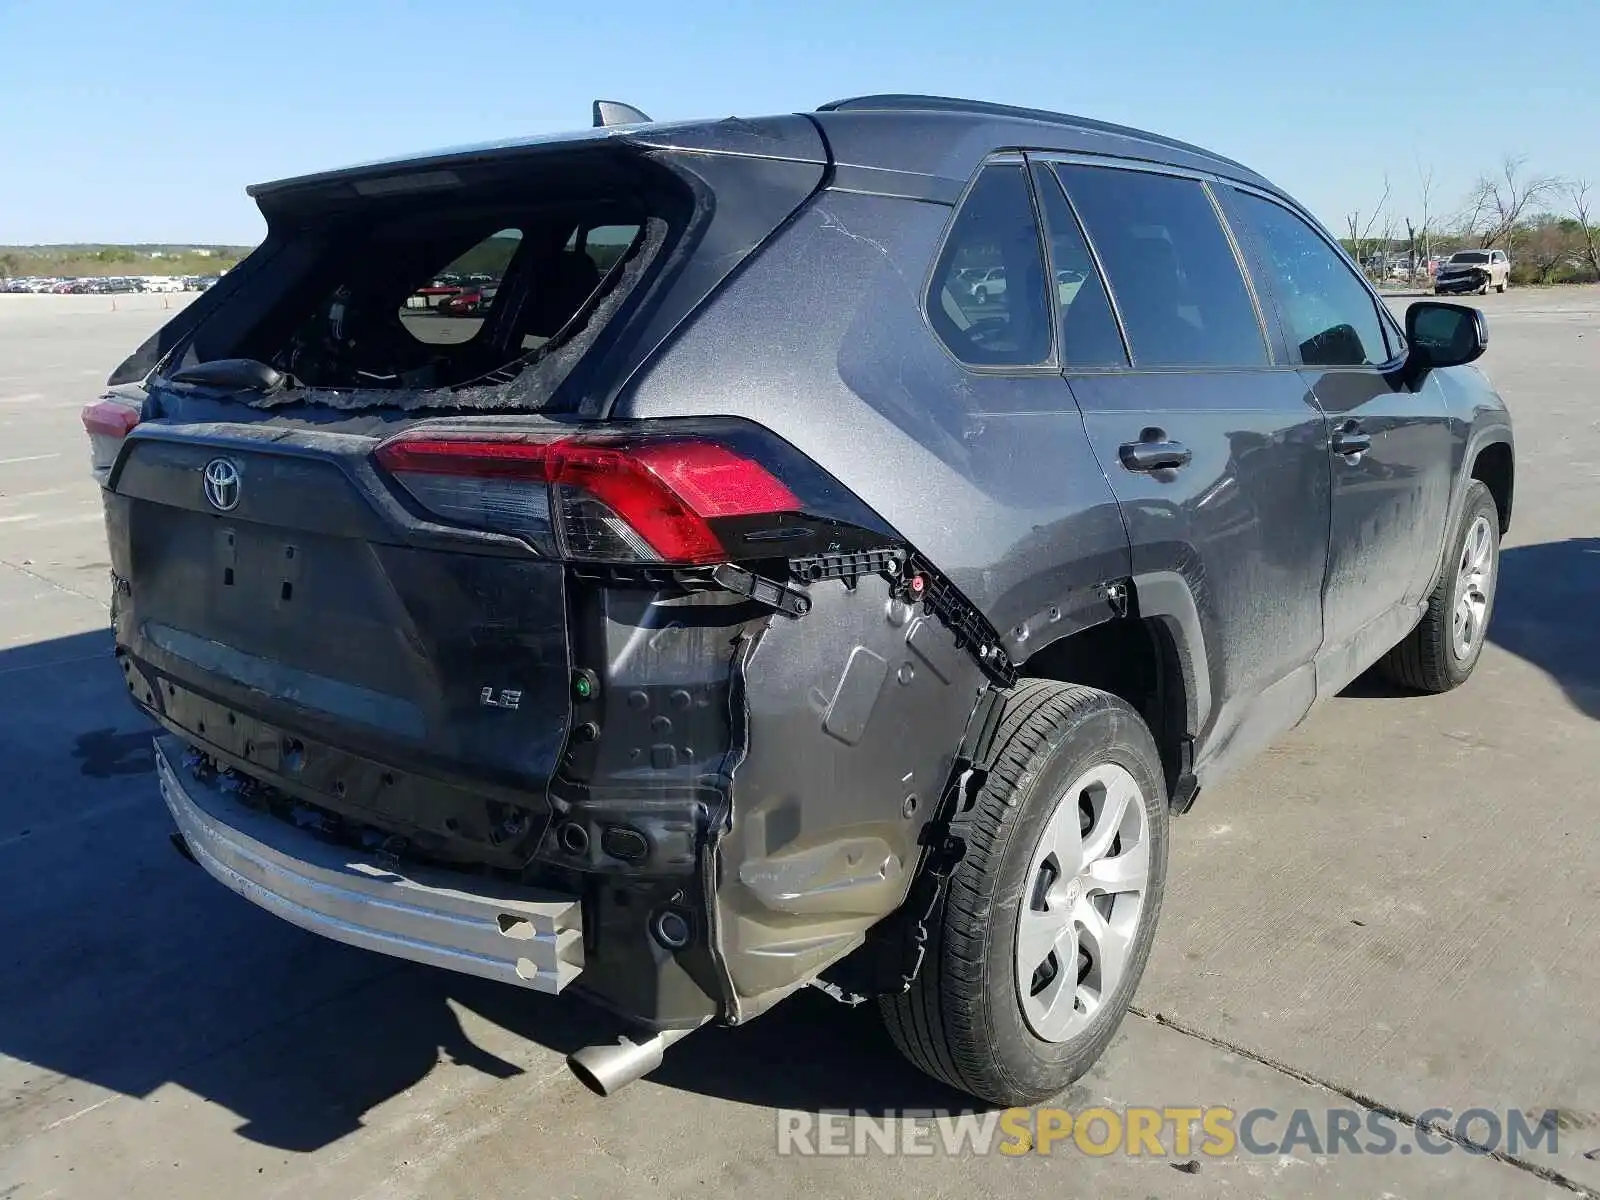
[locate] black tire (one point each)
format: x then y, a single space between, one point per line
1501 288
1427 660
962 1021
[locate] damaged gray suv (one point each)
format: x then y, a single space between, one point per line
725 601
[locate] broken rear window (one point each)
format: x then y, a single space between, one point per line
438 300
421 300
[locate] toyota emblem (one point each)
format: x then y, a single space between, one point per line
222 484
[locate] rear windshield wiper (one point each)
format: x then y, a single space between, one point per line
235 375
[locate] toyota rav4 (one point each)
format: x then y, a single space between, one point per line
737 606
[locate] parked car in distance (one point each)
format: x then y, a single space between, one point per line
435 294
1473 271
987 285
467 303
760 614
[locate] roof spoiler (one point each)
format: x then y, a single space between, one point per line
614 112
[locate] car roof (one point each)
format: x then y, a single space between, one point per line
881 142
899 144
999 114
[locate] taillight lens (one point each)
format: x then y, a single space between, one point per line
107 422
108 418
595 498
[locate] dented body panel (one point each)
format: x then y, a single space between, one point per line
853 718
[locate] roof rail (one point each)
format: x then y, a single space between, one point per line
615 112
898 102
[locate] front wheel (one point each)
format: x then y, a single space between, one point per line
1048 918
1440 653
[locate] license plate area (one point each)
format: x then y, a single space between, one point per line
256 573
278 767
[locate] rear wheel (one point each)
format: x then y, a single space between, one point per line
1440 653
1501 288
1048 918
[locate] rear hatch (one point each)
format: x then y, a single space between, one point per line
345 532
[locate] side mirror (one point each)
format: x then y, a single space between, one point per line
1443 335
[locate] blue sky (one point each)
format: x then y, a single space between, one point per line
143 120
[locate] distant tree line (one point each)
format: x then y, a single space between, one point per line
493 254
1548 225
92 261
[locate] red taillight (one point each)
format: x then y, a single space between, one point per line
107 423
478 455
107 418
600 498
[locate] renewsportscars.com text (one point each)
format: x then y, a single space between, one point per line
1176 1131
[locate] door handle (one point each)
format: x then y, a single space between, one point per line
1154 451
1350 440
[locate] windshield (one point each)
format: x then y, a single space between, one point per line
1470 256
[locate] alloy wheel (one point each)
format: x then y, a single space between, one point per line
1474 586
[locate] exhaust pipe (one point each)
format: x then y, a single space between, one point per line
607 1069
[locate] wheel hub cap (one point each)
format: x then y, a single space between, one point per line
1086 887
1474 586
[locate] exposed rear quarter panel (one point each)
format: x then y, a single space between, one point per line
822 340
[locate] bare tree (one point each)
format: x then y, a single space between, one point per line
1361 235
1588 234
1425 186
1497 204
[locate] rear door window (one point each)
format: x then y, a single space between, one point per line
1331 318
987 300
1177 282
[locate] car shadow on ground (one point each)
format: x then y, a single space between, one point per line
127 967
1545 613
311 1081
1542 614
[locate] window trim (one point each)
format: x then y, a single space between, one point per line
1205 179
1051 366
1270 332
1038 167
1387 324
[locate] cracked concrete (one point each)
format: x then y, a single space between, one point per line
1395 909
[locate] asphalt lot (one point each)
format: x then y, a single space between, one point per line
1397 907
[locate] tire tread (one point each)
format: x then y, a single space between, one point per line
936 1023
1421 661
